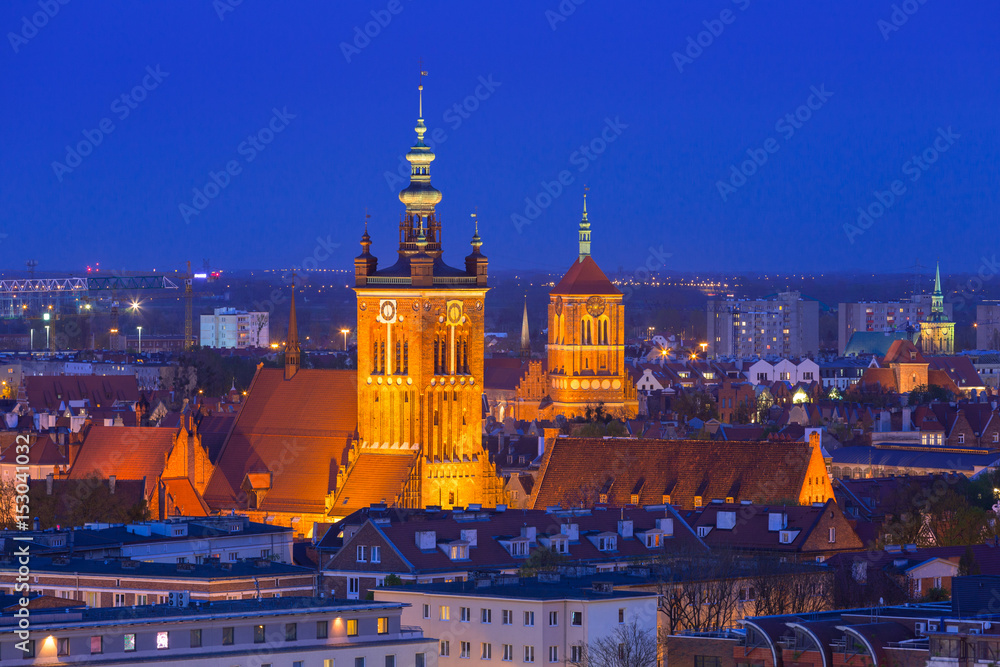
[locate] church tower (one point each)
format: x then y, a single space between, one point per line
420 354
937 332
586 344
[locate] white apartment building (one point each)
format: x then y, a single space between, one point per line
543 621
231 328
290 632
885 316
784 370
785 326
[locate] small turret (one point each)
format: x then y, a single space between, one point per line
476 263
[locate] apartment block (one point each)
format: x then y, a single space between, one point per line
786 325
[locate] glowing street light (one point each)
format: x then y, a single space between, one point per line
345 332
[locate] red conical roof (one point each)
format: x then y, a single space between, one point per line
585 277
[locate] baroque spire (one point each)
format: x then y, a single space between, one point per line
420 197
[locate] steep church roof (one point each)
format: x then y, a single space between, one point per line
296 430
585 277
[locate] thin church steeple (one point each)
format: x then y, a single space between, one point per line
584 229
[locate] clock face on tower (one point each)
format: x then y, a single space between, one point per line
454 311
595 306
387 311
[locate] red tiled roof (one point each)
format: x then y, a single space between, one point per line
41 451
374 478
46 392
126 453
585 277
880 376
752 530
959 368
297 430
403 525
758 471
185 498
903 352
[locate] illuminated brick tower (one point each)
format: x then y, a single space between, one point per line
937 332
420 357
586 345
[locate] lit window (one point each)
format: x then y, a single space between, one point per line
383 625
162 640
445 612
96 644
352 627
130 642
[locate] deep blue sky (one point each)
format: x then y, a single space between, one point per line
656 184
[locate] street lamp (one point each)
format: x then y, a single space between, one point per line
140 339
345 332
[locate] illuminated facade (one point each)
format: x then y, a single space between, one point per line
420 361
586 343
937 332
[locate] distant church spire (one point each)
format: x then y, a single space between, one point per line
937 299
525 337
584 229
292 350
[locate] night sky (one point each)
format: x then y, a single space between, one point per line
619 96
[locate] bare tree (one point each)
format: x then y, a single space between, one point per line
697 591
787 588
628 645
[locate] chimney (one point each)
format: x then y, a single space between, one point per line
426 539
666 524
570 530
111 484
548 434
625 528
906 418
470 536
885 423
48 484
530 532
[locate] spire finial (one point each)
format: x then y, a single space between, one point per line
585 190
292 349
420 87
